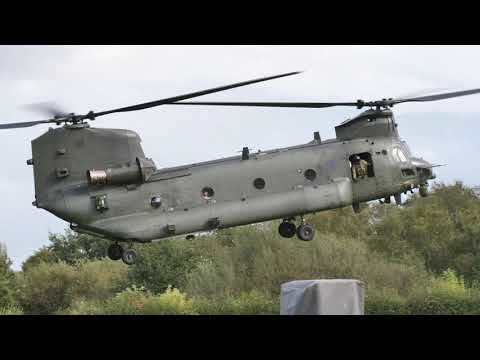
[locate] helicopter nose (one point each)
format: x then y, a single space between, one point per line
424 169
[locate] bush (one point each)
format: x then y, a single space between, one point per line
83 307
171 302
48 288
137 301
129 302
252 303
11 310
44 288
448 295
6 279
385 302
261 260
99 279
163 264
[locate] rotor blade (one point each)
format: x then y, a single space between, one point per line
189 95
438 96
48 108
313 105
24 124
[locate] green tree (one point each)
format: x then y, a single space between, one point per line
162 264
6 278
70 248
443 230
52 287
43 255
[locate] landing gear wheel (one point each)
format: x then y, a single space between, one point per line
129 256
423 190
115 251
306 232
287 229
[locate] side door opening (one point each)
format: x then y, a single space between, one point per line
361 166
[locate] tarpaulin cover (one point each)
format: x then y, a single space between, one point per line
323 297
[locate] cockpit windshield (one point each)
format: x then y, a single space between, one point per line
406 149
399 155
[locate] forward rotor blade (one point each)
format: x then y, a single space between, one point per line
438 96
48 108
24 124
313 105
188 96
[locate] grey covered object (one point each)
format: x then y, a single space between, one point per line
323 297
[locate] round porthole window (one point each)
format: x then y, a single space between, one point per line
156 201
310 174
259 183
207 193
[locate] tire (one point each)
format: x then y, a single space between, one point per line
287 229
306 232
423 190
129 256
115 252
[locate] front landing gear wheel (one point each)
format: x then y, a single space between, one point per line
129 256
287 229
306 232
115 251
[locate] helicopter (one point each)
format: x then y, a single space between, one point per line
100 181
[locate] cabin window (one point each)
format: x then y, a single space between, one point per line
259 183
207 193
156 201
310 174
361 166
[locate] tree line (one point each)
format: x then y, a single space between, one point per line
419 258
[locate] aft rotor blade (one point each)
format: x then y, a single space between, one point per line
312 105
24 124
438 96
188 96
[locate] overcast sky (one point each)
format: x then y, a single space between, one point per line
83 78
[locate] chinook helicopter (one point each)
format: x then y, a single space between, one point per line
100 181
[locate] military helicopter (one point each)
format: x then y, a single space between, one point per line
100 181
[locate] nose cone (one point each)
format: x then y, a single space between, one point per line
424 169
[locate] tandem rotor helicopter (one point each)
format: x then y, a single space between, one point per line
100 181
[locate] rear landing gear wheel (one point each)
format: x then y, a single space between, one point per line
115 251
287 229
306 232
129 256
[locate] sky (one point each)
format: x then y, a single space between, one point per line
84 78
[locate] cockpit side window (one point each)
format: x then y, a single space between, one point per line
361 166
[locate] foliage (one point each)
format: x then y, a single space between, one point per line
420 258
47 288
443 230
11 310
72 247
69 248
138 301
6 279
252 303
44 288
261 260
43 255
162 264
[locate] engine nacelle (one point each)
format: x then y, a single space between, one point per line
124 175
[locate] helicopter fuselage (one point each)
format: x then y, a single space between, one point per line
100 181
